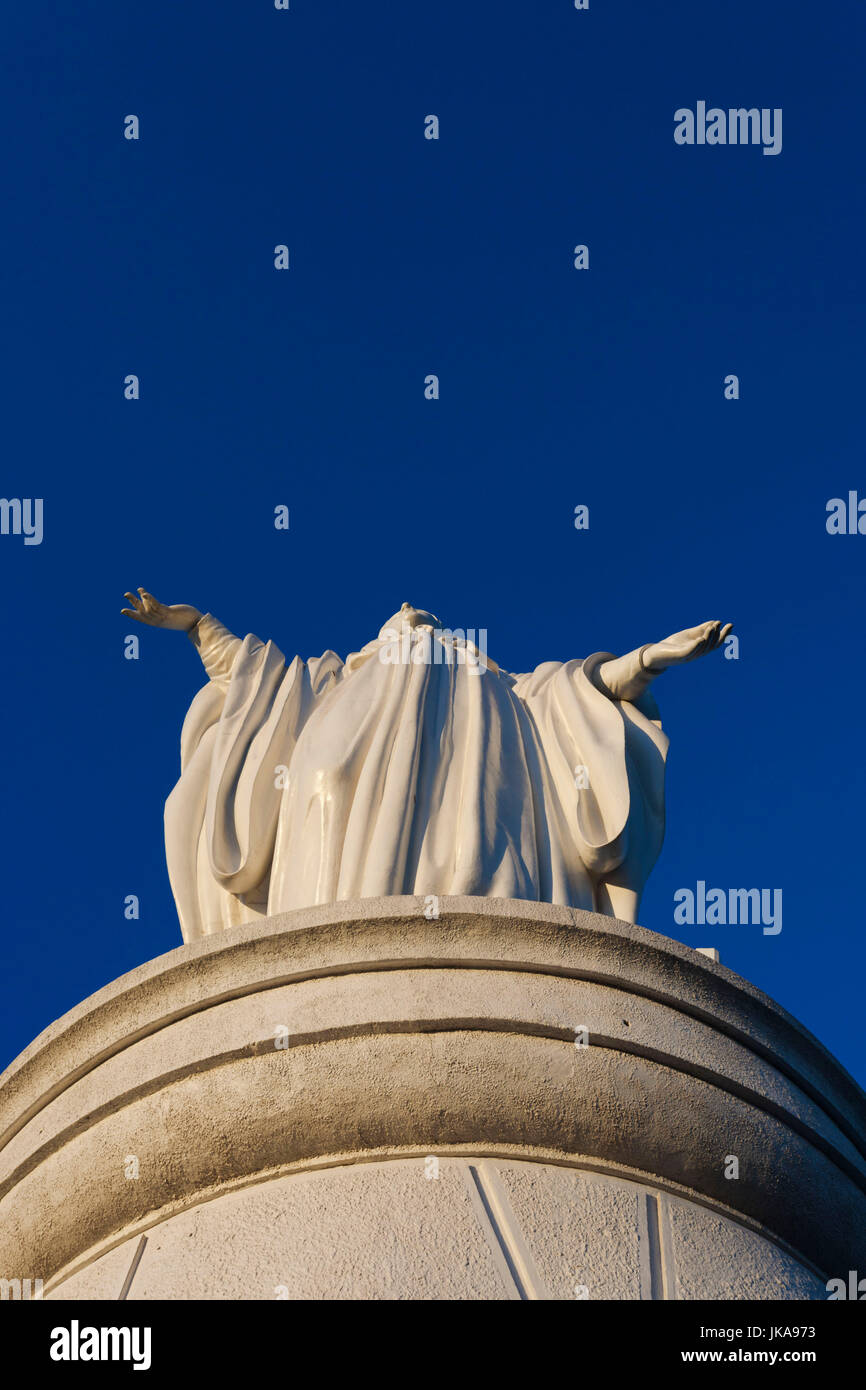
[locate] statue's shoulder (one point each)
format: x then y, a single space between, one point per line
531 682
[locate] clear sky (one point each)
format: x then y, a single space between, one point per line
558 387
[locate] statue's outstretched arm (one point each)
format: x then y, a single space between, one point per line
216 646
627 677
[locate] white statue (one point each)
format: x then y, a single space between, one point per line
416 766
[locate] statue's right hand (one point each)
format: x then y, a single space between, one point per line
147 609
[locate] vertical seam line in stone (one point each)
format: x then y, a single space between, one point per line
649 1255
136 1260
654 1220
666 1247
502 1226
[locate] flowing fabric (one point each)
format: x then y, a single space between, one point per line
312 782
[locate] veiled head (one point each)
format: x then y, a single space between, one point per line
408 617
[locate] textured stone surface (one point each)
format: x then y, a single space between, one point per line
584 1230
454 1037
713 1258
480 1229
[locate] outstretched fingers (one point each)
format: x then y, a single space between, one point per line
137 609
717 633
144 607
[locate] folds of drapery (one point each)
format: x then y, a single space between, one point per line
601 767
310 782
237 742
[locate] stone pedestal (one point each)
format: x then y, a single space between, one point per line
511 1100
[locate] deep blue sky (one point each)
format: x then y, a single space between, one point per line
557 387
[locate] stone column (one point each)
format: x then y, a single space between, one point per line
509 1100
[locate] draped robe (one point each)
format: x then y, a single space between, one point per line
313 781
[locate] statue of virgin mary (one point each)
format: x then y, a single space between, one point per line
415 766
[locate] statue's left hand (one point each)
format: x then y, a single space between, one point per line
147 609
685 646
